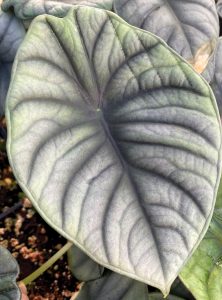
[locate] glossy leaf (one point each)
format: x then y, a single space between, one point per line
8 273
113 286
116 140
12 33
186 26
202 275
213 74
82 266
28 9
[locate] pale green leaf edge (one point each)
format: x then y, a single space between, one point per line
166 289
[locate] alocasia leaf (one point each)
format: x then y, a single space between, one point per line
116 140
113 286
178 289
213 74
158 296
187 26
219 7
82 266
12 33
28 9
203 273
8 273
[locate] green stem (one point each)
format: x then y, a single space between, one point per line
32 277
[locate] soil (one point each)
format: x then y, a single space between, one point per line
30 240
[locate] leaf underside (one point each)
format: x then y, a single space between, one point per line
8 273
186 26
29 9
12 33
116 140
113 286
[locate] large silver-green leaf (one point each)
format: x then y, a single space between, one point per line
113 286
8 273
116 140
82 266
28 9
12 33
186 26
213 74
203 273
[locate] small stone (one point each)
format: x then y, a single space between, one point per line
42 230
18 224
2 231
14 242
30 213
32 240
26 203
8 181
58 246
9 223
56 267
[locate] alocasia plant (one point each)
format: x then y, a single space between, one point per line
158 296
100 284
187 26
28 9
203 273
113 286
219 7
83 267
12 33
116 140
213 74
8 273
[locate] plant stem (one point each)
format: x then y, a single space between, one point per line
10 210
32 277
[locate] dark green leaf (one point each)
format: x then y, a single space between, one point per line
158 296
113 286
82 266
